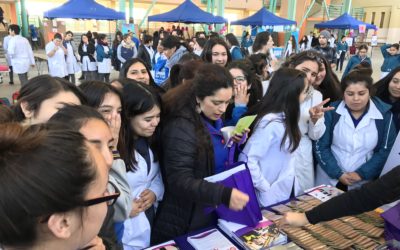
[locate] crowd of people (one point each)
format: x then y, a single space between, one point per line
120 163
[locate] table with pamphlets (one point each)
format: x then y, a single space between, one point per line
364 231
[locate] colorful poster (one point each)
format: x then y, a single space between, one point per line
127 27
362 28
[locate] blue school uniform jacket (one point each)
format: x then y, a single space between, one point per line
390 62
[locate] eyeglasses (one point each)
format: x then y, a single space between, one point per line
240 78
110 199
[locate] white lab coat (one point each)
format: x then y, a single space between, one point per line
269 165
303 157
21 54
72 64
104 67
57 63
137 229
5 48
309 42
351 146
87 65
332 42
289 49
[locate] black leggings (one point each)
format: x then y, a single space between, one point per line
340 60
104 77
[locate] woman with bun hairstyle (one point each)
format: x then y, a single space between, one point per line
359 135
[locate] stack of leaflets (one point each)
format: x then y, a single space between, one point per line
169 245
263 236
324 192
211 240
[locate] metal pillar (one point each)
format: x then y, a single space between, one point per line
147 13
18 12
208 5
212 6
325 5
122 9
292 9
291 15
220 11
307 12
24 19
209 10
272 6
347 6
130 8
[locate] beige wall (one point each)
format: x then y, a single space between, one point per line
390 31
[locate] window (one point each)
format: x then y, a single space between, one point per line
373 18
382 20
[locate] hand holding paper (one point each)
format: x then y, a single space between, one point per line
243 124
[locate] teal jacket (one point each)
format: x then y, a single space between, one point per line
100 54
341 46
373 167
390 62
354 60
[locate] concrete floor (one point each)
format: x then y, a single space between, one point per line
6 90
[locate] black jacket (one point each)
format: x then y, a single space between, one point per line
144 55
90 51
328 52
370 196
186 193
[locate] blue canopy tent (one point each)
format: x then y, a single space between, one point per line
344 21
84 9
187 12
263 18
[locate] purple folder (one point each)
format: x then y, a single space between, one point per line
392 223
251 213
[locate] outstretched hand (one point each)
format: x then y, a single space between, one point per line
318 110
